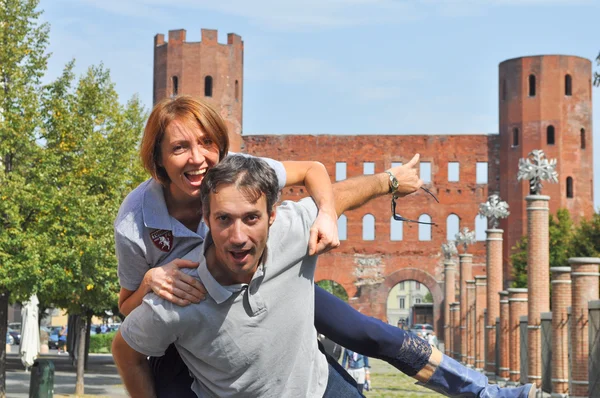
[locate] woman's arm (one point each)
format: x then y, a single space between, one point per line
167 282
314 176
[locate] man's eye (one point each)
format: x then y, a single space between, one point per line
222 218
252 218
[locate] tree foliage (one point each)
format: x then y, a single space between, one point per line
566 241
334 288
69 156
23 59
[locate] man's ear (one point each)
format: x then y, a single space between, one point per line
272 217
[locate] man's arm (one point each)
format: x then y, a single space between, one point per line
133 368
355 192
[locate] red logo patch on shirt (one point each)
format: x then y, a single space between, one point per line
162 239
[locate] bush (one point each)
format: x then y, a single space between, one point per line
101 343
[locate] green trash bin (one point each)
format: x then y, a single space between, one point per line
42 379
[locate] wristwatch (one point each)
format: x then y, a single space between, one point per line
393 182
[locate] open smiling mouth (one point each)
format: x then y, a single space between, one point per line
195 175
240 256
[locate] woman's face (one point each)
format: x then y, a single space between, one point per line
186 155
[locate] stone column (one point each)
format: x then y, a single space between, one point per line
517 307
449 298
466 274
494 285
503 367
480 303
561 300
455 315
471 324
584 288
539 286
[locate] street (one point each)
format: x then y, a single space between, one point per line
101 378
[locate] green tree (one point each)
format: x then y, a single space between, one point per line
561 233
334 288
428 298
88 165
587 238
23 58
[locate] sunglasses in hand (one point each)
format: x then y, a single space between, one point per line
398 217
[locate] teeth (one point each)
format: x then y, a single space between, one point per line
196 172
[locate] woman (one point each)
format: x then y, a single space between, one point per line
160 221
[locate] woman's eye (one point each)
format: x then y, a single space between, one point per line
178 148
207 142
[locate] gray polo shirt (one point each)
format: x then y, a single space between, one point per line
255 340
146 236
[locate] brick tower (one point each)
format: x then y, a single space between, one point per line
205 69
545 103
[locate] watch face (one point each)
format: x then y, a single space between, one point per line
394 183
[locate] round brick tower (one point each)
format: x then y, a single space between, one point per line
545 103
205 69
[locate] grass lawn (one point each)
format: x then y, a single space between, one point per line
387 381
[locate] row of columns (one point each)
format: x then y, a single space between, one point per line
484 316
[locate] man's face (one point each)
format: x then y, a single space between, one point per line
239 228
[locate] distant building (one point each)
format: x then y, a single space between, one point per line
545 102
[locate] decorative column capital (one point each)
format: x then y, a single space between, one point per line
465 238
494 209
536 168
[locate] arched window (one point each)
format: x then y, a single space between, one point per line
368 227
582 138
424 229
550 139
396 229
342 225
503 89
452 226
208 86
532 85
568 85
175 82
237 90
515 137
481 224
569 187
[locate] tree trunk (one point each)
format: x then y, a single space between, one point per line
3 324
82 329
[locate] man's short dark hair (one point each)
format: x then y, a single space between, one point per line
252 176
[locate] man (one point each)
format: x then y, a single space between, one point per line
254 335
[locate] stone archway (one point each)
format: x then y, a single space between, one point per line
426 279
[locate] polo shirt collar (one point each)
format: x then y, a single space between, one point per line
154 207
156 214
221 293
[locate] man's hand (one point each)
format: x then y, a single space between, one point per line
170 283
408 177
323 233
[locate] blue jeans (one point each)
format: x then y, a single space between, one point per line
339 383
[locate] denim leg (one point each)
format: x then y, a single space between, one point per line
339 383
171 376
369 336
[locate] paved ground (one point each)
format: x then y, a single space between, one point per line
101 377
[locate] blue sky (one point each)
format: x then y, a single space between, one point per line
340 66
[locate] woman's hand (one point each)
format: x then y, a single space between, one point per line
170 283
323 233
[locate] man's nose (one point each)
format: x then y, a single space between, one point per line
238 234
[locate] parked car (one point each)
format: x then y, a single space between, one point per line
52 336
16 335
9 339
422 329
